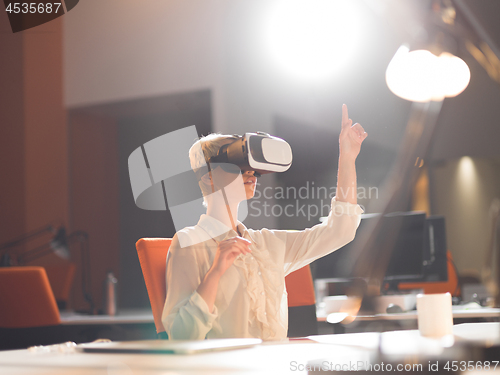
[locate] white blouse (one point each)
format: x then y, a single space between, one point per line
251 299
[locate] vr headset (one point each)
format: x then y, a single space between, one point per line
258 152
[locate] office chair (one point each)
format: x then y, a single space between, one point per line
452 285
26 298
152 254
302 320
61 276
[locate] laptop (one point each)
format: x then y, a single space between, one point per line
168 346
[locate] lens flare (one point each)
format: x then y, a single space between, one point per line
421 76
311 38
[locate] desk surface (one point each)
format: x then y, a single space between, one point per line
269 358
130 316
485 312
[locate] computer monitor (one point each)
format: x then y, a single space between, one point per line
435 248
407 259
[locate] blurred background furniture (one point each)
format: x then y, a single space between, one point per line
54 255
152 254
302 319
26 298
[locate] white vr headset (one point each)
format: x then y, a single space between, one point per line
160 179
258 152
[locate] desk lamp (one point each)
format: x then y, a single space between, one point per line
58 245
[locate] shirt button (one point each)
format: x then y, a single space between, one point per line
265 313
262 293
251 258
259 273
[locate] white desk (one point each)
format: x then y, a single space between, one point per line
405 320
273 358
127 325
126 316
485 312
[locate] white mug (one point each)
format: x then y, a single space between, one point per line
435 316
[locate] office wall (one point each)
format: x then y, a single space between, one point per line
94 198
33 137
463 190
123 49
174 112
101 138
12 187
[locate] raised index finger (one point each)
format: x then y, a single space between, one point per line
346 122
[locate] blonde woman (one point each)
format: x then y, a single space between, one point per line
230 282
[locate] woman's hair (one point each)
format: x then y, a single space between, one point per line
207 147
204 149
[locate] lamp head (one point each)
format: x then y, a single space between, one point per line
429 69
59 244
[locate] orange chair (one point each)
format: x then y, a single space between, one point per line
26 298
451 285
152 254
61 276
302 319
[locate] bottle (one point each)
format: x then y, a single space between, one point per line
110 294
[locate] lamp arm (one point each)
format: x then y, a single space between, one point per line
35 253
83 239
26 237
488 53
476 26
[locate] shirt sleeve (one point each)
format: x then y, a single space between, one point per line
303 247
185 315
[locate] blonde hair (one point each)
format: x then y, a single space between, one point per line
202 150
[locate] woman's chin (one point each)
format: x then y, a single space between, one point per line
250 193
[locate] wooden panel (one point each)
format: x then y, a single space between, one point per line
94 196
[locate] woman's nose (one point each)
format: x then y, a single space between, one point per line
253 173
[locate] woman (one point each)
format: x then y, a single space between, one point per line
230 281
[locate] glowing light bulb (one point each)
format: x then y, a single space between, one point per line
454 73
421 76
311 38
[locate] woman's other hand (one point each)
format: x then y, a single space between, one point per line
227 251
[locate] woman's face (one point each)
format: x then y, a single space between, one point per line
232 184
250 182
237 187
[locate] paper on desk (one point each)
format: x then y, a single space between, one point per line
391 343
366 340
483 332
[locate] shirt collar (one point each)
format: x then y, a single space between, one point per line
217 230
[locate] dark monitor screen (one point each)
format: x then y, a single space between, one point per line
435 248
406 263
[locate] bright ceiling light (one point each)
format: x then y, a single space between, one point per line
311 38
421 76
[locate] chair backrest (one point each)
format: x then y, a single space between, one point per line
302 319
152 254
300 287
26 298
451 286
61 275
